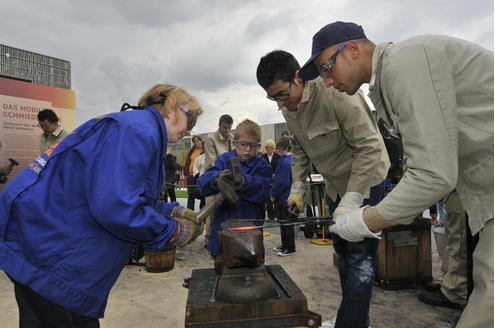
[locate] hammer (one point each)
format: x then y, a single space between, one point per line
230 194
6 170
13 163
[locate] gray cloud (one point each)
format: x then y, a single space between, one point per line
118 49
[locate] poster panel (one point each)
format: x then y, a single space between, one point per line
20 103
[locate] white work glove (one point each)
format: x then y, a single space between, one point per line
348 203
296 203
351 226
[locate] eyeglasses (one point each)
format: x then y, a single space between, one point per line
192 117
246 145
326 68
282 95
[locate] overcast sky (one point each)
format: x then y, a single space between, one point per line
119 49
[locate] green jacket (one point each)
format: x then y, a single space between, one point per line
438 92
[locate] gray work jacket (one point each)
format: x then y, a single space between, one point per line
338 134
438 92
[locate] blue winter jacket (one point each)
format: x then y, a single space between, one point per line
252 195
69 221
282 181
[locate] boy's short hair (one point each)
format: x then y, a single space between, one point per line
283 143
248 128
274 66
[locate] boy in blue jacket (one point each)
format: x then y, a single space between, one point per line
278 195
252 193
69 221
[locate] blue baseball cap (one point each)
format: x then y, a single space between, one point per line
329 35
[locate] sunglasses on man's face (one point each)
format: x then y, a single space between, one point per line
326 69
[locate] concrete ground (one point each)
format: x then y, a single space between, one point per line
157 300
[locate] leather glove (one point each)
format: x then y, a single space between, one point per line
296 203
228 177
5 170
351 226
189 227
349 202
225 184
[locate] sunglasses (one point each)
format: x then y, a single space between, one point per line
326 68
192 117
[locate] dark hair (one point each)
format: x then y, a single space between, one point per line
196 138
48 115
226 118
276 65
283 143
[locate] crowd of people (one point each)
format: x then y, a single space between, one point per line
436 91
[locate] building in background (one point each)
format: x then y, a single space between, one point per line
30 82
28 66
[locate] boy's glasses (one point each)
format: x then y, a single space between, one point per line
246 145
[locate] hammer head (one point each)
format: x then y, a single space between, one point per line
13 162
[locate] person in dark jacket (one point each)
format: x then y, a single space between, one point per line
69 220
170 177
278 195
252 193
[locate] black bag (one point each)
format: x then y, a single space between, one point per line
393 143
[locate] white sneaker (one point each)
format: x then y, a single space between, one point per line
329 323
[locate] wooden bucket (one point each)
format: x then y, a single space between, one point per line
160 261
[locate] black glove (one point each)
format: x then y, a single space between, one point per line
227 177
5 170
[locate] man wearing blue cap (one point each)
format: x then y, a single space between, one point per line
337 134
438 92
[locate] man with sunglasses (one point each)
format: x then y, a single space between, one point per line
438 92
337 134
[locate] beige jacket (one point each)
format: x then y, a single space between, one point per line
438 92
215 145
47 140
338 134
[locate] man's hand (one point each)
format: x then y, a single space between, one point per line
188 226
5 170
296 203
350 201
351 226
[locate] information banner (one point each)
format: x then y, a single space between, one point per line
20 103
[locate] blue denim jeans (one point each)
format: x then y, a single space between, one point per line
357 265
